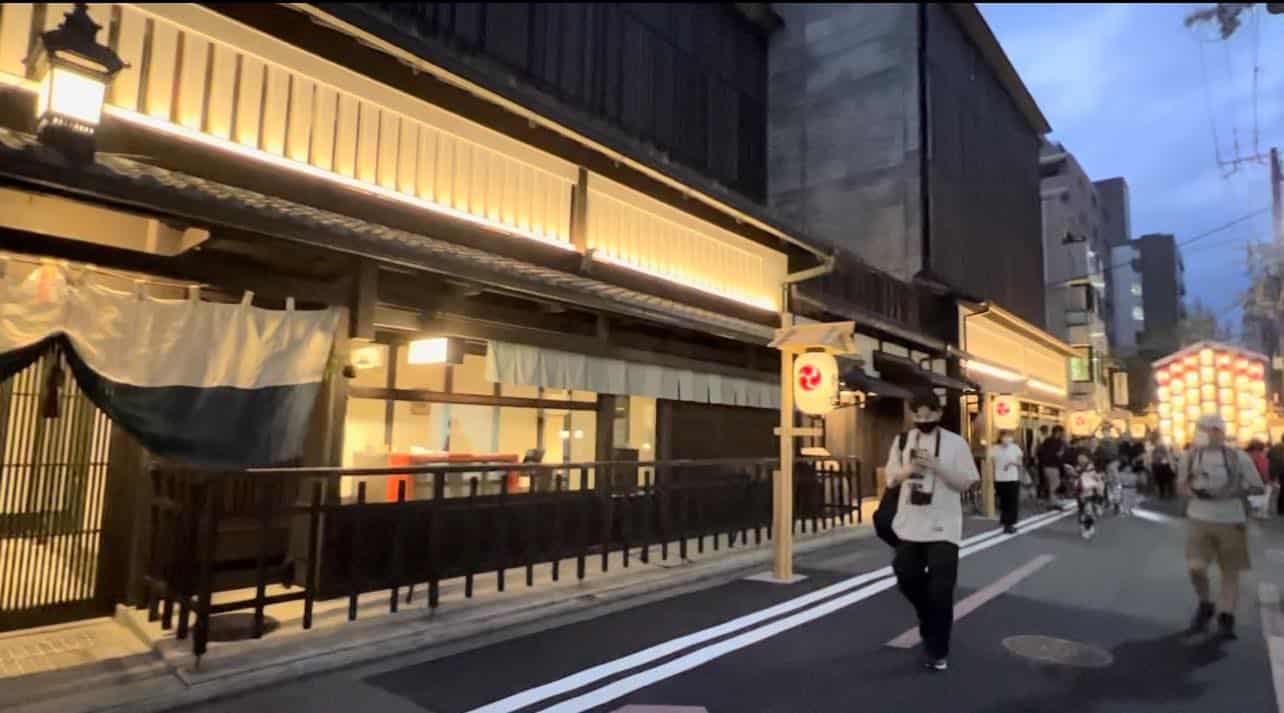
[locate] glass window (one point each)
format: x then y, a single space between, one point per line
418 427
430 377
1138 314
470 377
519 391
371 362
635 425
518 430
1135 289
1081 369
364 436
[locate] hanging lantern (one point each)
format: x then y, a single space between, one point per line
73 71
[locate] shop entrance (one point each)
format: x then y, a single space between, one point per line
53 471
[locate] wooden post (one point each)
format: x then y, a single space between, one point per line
987 467
783 491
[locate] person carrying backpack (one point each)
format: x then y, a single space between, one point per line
1216 477
933 467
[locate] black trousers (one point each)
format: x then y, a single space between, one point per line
1009 501
926 573
1165 481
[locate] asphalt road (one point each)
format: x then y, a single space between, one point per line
754 647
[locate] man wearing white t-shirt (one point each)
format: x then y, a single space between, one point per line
933 467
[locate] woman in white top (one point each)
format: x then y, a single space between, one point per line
1007 459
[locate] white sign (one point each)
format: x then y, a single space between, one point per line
1007 413
815 383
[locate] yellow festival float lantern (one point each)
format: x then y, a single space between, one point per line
1211 378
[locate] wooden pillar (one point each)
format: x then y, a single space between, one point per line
323 446
782 515
987 466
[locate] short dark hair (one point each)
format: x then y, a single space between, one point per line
1058 429
925 398
1043 428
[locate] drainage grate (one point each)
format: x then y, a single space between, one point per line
1061 652
238 627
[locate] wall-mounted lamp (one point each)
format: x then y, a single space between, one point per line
73 71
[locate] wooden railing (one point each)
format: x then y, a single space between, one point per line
352 548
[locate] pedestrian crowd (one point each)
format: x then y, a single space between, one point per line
930 468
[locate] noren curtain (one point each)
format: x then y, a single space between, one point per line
216 385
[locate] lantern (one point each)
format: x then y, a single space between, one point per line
1190 360
1206 356
1162 377
1177 385
73 71
1223 359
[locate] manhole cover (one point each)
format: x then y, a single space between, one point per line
1048 649
238 627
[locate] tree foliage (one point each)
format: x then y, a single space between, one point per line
1201 323
1225 14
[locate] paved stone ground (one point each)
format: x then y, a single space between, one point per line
63 647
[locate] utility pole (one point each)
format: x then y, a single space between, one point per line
1277 210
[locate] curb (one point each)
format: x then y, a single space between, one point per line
427 637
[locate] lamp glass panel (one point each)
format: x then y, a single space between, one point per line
76 96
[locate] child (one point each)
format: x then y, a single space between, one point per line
1092 490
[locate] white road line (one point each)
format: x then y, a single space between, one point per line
696 658
531 696
1268 598
910 638
1153 516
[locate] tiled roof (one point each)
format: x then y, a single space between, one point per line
124 180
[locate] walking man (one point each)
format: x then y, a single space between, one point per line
935 466
1007 459
1216 477
1051 455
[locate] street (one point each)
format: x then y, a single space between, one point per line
843 638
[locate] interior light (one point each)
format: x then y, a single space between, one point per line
435 350
1046 387
995 371
368 357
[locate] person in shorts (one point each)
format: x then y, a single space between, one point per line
1216 477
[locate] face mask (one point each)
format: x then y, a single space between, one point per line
926 427
1201 439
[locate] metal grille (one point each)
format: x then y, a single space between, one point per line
53 469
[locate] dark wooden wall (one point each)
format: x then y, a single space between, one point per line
688 78
983 177
691 430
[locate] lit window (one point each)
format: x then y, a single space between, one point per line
1138 314
1135 289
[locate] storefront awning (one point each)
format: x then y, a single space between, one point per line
905 371
858 379
133 183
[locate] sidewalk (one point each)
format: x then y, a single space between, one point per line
155 672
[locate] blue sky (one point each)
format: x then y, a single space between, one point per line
1123 87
